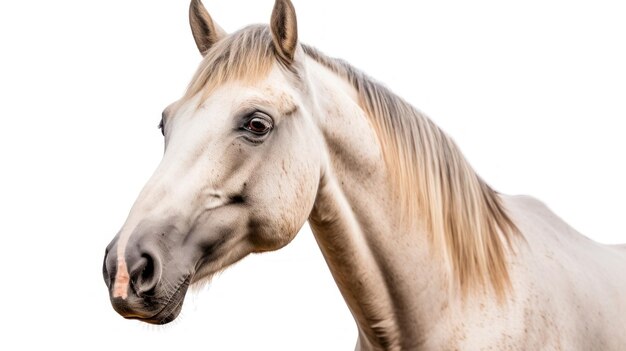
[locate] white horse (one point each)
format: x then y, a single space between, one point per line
272 133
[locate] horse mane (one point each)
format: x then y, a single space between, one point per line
464 217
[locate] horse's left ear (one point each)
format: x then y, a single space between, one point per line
284 29
205 32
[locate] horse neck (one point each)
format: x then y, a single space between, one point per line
379 264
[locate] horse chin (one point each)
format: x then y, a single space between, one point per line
171 309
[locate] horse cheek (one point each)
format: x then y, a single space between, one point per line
289 206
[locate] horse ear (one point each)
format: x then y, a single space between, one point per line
205 32
284 29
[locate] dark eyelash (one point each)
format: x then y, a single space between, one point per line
253 141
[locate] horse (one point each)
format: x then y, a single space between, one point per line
272 133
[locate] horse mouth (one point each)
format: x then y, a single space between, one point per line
171 308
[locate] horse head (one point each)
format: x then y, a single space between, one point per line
239 173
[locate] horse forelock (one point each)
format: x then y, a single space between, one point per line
247 55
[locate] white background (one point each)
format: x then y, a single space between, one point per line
534 92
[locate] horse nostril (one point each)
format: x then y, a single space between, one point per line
145 274
107 270
148 270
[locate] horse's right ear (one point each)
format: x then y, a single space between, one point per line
205 32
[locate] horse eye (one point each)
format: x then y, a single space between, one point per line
258 125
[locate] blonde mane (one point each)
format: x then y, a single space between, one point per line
463 215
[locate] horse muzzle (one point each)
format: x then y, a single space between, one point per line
138 286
